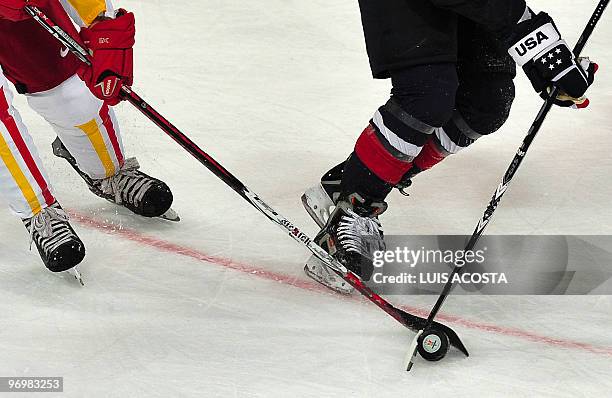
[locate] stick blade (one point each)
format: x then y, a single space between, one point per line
453 338
416 323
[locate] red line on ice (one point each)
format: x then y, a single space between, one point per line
259 272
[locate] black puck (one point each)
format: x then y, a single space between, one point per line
433 345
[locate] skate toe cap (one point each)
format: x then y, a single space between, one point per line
66 256
156 201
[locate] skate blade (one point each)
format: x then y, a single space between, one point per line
170 215
338 284
76 274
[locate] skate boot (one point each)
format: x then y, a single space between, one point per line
58 245
129 187
319 201
135 190
351 235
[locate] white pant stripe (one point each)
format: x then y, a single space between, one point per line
403 146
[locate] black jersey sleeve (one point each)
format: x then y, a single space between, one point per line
498 16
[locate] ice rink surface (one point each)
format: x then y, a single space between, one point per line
218 306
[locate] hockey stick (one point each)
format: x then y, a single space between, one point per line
410 321
503 186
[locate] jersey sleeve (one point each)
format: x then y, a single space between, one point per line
83 12
496 15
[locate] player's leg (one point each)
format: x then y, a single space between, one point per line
394 143
483 101
89 135
25 186
422 100
414 43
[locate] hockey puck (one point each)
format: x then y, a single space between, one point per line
433 345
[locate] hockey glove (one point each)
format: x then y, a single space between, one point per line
566 101
536 45
13 10
110 43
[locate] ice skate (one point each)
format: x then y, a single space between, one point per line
129 187
58 245
318 202
135 190
353 233
350 230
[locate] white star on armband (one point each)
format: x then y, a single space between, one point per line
544 61
558 51
551 67
559 62
551 55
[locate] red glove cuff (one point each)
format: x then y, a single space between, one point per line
111 34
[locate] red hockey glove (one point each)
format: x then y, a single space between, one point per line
110 43
13 10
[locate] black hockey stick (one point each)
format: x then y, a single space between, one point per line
503 186
410 321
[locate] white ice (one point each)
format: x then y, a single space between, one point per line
218 306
